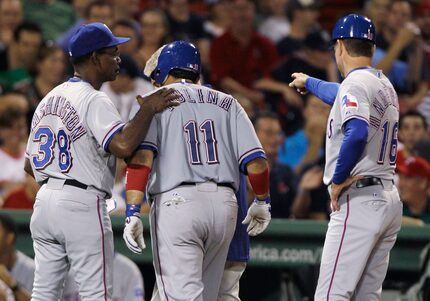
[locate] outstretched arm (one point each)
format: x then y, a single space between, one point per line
324 90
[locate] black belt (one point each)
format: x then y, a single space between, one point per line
70 182
370 181
229 185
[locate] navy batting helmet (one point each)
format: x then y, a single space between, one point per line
354 27
176 55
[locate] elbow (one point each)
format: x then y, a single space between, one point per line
121 150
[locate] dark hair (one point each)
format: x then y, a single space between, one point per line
8 224
94 4
263 115
166 39
9 115
26 26
47 50
359 47
129 24
185 74
412 114
80 59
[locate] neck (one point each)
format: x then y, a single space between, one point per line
90 77
419 204
13 150
297 31
43 85
243 35
354 63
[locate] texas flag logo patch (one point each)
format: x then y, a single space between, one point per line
349 101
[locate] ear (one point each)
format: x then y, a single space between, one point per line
95 59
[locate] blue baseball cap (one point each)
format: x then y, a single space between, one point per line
91 37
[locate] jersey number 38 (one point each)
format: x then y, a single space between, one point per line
47 140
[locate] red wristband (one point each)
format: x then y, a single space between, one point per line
260 182
136 177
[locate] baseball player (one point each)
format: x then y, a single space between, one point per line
196 152
361 153
76 132
238 252
127 282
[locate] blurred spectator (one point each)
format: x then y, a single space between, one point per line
10 18
187 26
154 34
423 21
219 18
399 54
246 105
315 60
95 11
16 189
412 129
312 198
377 11
276 26
306 146
241 55
414 184
282 179
422 149
127 28
55 17
51 71
18 60
303 16
127 85
127 279
125 9
15 100
16 269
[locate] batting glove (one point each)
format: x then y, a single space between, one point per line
133 230
258 216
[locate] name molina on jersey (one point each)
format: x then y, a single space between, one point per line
61 107
207 96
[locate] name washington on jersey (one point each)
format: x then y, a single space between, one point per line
61 107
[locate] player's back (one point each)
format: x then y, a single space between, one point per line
65 140
203 139
375 100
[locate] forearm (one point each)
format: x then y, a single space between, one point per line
324 90
126 141
388 60
138 170
21 295
300 206
258 175
230 85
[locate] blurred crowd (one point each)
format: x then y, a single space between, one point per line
249 49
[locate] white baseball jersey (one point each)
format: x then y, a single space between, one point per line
368 95
70 135
189 144
23 271
127 282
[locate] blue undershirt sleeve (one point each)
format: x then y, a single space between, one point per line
326 91
354 142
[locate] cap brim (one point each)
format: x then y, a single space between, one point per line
118 40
